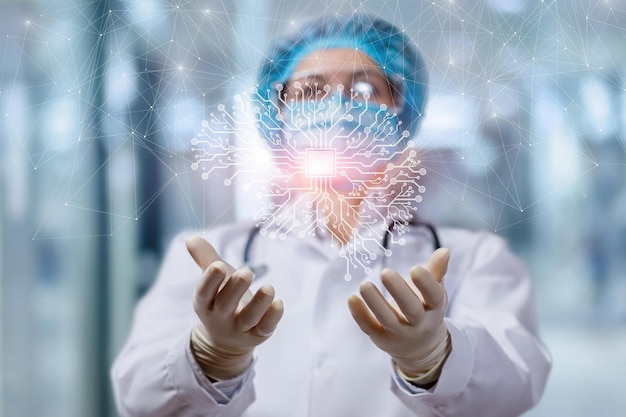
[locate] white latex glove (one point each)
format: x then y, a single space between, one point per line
412 332
232 320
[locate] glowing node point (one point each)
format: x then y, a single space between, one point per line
227 182
194 166
204 176
347 277
387 252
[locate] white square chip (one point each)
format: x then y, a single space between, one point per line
320 162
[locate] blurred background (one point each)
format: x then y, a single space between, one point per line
525 135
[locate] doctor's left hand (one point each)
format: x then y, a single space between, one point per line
412 331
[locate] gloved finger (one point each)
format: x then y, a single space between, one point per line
203 253
432 291
228 298
270 319
209 283
383 311
407 300
363 317
438 263
253 311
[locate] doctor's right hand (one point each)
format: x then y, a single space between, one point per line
233 321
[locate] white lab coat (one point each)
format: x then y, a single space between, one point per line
318 363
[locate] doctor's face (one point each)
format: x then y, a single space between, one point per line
359 76
340 125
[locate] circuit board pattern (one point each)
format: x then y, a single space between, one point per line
324 156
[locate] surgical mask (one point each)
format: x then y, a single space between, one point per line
341 139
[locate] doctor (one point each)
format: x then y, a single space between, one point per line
422 332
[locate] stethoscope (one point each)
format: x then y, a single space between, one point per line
259 270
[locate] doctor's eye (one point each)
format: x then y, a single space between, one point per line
363 89
374 88
304 90
312 91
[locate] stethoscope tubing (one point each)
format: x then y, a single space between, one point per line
254 232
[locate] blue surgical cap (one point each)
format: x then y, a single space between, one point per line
388 46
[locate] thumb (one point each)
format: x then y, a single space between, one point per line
438 263
201 251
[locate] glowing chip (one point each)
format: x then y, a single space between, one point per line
320 162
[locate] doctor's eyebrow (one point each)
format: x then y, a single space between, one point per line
308 78
322 76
